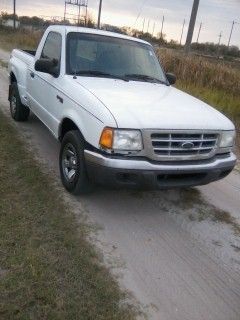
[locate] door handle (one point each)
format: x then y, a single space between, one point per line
60 99
32 74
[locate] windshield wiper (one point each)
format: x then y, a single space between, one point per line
96 73
143 77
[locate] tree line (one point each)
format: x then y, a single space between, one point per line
207 48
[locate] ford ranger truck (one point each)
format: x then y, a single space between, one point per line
121 123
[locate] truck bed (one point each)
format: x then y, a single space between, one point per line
20 62
31 52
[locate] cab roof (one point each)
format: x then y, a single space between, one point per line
68 29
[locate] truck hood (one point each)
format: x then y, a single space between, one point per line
144 105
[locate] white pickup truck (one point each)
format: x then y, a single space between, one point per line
106 98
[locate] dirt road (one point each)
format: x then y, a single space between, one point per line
173 250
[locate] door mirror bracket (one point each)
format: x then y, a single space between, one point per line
47 66
171 78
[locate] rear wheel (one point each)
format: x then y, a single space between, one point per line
19 112
72 164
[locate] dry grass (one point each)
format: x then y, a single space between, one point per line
202 72
48 270
10 39
3 64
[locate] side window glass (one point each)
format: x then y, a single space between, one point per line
52 48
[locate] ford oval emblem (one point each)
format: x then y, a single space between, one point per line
187 145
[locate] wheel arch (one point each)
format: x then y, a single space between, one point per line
66 125
12 77
18 76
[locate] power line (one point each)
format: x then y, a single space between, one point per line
5 6
163 19
140 12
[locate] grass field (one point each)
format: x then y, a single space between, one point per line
48 270
10 39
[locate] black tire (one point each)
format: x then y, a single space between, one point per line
19 112
72 164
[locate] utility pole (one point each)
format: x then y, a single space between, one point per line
219 42
86 16
79 15
162 27
184 21
153 29
143 25
220 37
14 14
200 28
75 18
99 14
148 25
230 37
65 10
191 25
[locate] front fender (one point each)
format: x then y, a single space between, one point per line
89 126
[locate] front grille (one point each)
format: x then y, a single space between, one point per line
184 145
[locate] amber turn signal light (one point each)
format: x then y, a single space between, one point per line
106 140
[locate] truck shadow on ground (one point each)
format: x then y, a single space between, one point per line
188 203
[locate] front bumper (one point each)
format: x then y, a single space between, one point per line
144 174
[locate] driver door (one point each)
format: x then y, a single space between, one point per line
42 86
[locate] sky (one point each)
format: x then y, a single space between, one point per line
216 15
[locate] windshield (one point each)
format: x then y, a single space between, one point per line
105 56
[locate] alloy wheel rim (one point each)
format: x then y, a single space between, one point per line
13 104
69 162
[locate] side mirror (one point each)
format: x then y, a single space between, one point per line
171 78
47 66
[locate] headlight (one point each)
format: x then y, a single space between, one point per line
121 140
227 139
127 140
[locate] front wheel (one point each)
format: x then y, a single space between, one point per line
19 111
72 164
